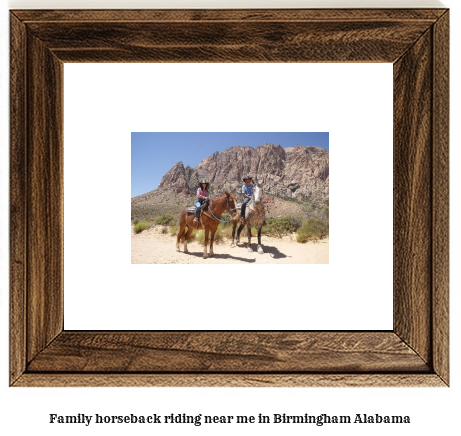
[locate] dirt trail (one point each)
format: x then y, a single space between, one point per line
152 247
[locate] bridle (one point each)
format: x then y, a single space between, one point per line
228 208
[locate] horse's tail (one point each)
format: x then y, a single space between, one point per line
182 225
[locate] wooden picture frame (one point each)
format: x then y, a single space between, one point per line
414 353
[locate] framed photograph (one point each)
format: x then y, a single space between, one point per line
289 187
415 352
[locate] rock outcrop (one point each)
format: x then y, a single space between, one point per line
300 172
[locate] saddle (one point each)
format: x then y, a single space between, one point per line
191 210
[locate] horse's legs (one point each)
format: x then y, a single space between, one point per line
249 238
234 225
213 231
239 231
189 231
260 248
234 228
205 254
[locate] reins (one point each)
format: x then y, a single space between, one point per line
259 212
222 221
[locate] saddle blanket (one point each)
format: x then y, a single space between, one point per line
192 209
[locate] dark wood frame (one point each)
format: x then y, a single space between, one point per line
414 353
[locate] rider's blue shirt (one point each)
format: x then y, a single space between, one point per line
248 190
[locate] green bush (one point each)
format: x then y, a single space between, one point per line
140 226
164 220
312 229
282 226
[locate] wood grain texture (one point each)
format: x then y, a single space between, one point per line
414 354
18 211
236 352
413 196
230 380
441 213
184 15
45 245
312 41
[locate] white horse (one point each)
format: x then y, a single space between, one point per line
255 214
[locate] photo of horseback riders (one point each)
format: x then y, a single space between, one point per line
277 192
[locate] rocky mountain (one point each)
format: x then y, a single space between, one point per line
296 173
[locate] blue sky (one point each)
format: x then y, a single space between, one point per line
154 153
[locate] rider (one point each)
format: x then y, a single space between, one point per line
202 195
247 191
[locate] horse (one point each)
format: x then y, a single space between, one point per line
255 214
209 221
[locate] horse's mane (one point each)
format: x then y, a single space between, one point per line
220 198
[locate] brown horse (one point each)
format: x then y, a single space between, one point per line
216 206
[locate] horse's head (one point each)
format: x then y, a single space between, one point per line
231 203
258 191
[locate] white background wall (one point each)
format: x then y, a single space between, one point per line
352 101
27 409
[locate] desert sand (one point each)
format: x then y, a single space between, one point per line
153 247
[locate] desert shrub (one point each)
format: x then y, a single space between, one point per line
192 236
140 226
175 229
164 230
226 217
312 229
136 221
315 210
164 220
282 226
200 236
218 236
227 232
